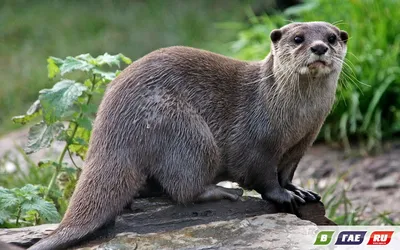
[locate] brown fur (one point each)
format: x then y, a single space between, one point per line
187 118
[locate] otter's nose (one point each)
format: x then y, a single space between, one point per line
319 49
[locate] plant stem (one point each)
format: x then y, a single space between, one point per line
72 159
59 164
36 219
18 216
65 149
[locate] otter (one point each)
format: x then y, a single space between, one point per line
187 119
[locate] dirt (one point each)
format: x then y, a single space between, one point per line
372 182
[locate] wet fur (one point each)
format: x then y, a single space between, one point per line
188 118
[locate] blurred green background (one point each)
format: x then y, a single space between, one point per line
31 31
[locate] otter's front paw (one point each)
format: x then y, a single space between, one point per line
288 199
303 193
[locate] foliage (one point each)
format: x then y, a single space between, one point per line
368 101
25 206
67 112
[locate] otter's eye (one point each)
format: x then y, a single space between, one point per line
298 39
332 39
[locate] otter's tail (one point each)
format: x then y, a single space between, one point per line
103 189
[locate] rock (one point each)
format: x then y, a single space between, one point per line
5 246
391 181
391 167
156 223
26 236
258 232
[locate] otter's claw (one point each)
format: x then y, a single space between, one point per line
288 199
303 193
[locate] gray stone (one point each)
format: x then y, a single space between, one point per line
391 181
283 231
156 223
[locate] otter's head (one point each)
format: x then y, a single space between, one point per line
313 49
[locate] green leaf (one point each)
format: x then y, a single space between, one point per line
53 66
32 203
29 218
63 136
70 171
7 199
57 61
80 142
71 64
5 215
34 108
88 58
47 163
29 190
41 136
108 59
85 122
45 209
9 204
32 112
58 100
125 59
105 75
89 109
88 83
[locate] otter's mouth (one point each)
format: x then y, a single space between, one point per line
317 64
316 68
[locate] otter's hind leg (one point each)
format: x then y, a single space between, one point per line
187 170
214 192
190 160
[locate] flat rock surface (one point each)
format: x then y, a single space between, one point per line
258 232
273 231
161 217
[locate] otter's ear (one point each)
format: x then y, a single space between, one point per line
344 36
275 35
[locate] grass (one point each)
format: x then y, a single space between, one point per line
31 31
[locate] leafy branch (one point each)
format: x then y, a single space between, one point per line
67 111
25 205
